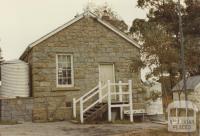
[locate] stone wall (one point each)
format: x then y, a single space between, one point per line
16 109
91 44
51 109
38 109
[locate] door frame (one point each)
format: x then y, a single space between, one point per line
113 65
108 64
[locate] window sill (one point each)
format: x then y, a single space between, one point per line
66 89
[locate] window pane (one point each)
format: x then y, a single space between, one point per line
69 73
69 81
64 73
59 81
64 81
64 70
68 65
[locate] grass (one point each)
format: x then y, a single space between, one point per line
8 122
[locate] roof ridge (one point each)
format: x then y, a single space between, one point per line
75 19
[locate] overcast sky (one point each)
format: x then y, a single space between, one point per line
24 21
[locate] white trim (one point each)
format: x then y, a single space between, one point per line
88 13
72 71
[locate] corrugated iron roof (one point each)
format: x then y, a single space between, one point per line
192 83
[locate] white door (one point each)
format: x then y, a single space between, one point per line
107 72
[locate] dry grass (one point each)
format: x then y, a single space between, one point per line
9 122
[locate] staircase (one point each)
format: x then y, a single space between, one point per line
95 110
95 114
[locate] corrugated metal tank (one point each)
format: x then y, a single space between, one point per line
15 79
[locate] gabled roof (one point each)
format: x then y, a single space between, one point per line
192 83
77 18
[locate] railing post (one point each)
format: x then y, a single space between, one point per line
74 108
130 100
81 110
121 99
100 92
109 102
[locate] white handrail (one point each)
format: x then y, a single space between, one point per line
119 84
104 86
95 88
98 91
91 97
94 103
109 102
105 96
120 99
90 106
93 94
79 99
116 93
81 110
130 100
85 98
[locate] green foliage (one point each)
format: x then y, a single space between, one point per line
160 37
136 65
192 36
158 48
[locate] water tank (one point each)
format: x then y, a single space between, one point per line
15 79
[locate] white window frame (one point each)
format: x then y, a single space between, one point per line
72 71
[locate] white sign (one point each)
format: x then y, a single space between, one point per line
183 123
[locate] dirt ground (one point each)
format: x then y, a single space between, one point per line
70 129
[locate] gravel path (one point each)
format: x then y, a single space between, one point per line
69 129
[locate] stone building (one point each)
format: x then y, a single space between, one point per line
73 58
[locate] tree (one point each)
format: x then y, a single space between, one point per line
164 14
161 29
192 35
106 13
157 50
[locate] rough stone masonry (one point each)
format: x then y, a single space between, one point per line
36 109
91 44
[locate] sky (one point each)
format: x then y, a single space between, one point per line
24 21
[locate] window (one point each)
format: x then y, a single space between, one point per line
65 70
